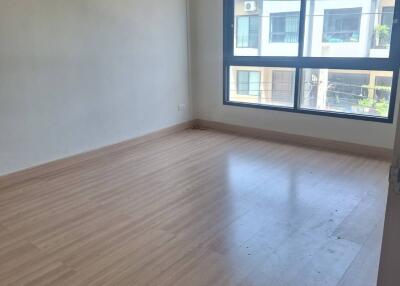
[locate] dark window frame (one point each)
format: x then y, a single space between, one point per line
299 62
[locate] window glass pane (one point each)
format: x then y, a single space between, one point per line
254 83
343 28
347 91
385 25
261 85
243 32
253 31
243 82
284 28
267 28
342 25
387 16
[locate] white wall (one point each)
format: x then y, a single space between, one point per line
277 49
207 58
76 75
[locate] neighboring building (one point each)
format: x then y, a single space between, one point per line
334 28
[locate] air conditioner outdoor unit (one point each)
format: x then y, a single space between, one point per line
250 6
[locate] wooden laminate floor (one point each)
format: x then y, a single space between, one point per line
197 208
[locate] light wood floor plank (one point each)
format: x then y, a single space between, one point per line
196 208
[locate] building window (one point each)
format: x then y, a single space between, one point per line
247 32
383 85
387 16
248 83
342 25
383 32
284 27
282 85
314 75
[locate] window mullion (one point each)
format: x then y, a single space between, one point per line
228 20
395 39
302 24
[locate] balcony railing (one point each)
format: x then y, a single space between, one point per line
284 37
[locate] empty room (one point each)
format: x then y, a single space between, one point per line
199 143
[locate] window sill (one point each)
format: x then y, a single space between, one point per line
312 112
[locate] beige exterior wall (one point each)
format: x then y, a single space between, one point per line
266 86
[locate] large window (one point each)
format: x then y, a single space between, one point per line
323 57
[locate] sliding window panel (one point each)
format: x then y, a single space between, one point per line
266 28
265 86
343 28
359 92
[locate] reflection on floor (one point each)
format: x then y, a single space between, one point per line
197 208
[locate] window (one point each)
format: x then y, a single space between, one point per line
359 29
247 32
342 25
387 16
383 32
248 82
262 86
283 86
265 29
321 57
382 88
284 28
346 91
